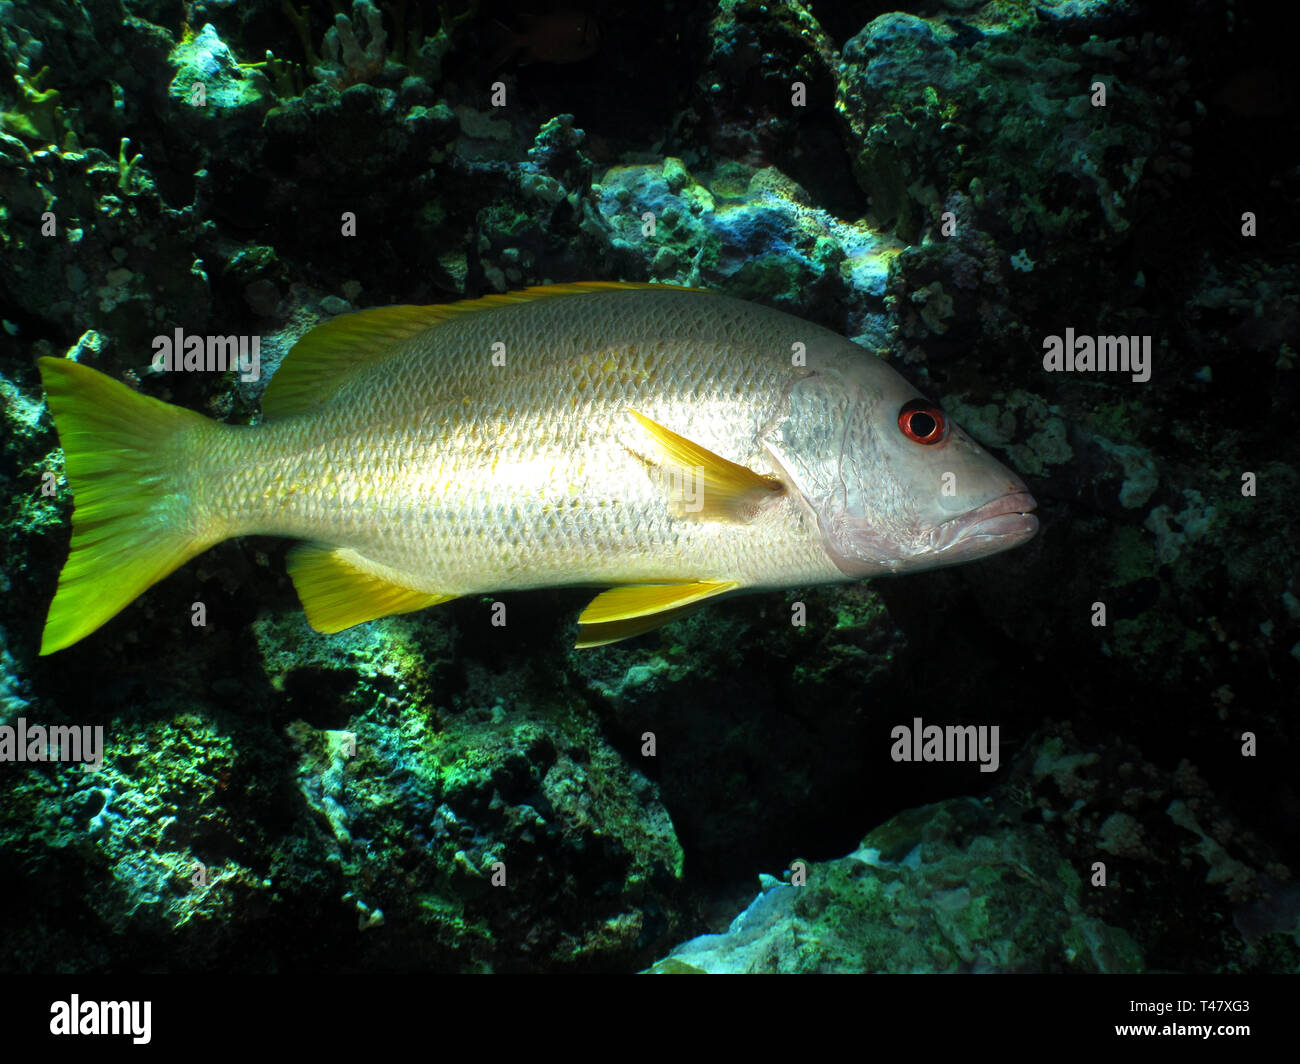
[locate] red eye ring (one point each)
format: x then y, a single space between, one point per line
922 422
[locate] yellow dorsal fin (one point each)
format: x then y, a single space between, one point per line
323 359
622 612
339 588
319 363
703 485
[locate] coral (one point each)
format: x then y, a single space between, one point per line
37 116
344 59
14 691
932 105
211 87
126 167
1007 420
93 270
952 887
444 798
1194 522
755 237
144 823
1006 883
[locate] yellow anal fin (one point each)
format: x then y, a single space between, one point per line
623 612
339 588
704 485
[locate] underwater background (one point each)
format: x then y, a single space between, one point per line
941 182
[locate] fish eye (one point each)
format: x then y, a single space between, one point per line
922 422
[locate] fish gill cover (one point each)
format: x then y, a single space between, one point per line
1064 234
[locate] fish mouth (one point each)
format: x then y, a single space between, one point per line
1005 522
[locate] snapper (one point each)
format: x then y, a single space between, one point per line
672 445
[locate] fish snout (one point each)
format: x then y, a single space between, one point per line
1004 522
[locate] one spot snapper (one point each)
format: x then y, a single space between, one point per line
671 445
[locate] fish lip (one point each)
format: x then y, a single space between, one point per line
1008 517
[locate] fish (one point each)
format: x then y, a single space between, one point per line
559 37
672 446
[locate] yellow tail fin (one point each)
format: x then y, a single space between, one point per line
133 521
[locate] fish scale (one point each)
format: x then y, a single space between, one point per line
467 503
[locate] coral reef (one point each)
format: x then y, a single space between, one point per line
948 185
944 888
1041 876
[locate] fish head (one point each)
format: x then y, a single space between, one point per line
895 485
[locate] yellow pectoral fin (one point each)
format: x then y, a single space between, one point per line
339 588
623 612
705 485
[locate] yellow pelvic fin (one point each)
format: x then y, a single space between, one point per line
339 588
132 521
701 484
623 612
328 356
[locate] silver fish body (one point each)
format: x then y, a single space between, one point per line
603 435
